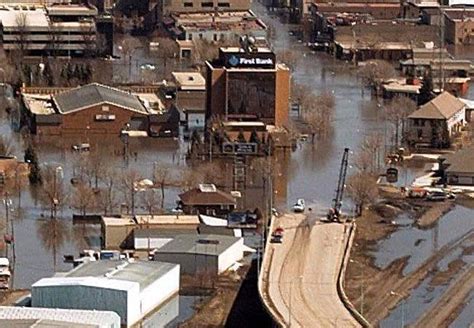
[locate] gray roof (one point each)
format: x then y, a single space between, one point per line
442 107
11 316
142 272
461 161
153 233
199 244
94 94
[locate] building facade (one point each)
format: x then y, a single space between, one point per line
436 122
167 7
459 25
248 86
57 29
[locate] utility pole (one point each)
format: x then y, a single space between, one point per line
441 50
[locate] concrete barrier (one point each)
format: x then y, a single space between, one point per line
340 279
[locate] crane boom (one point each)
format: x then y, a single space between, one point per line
335 211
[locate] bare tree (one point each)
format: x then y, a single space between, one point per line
150 200
396 112
129 189
89 41
167 50
128 45
53 234
162 178
362 190
83 198
21 21
55 39
106 199
53 191
370 155
317 113
374 72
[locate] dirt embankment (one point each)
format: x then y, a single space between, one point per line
214 311
374 291
433 213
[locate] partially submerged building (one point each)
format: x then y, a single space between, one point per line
93 109
24 317
436 122
209 254
207 199
130 289
460 167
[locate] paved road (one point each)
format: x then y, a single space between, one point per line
300 275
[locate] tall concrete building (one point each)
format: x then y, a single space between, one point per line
248 85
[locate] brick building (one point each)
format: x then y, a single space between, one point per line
90 109
459 25
248 86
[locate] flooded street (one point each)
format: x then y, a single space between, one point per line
312 174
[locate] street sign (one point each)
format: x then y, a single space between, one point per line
244 148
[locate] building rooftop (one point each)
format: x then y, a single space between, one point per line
122 275
232 20
156 232
151 102
93 94
38 104
461 161
71 10
402 87
190 81
199 244
442 107
11 16
12 316
206 195
164 220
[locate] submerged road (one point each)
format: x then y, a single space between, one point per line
299 276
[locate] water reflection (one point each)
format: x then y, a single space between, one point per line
53 233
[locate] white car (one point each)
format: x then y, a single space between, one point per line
299 206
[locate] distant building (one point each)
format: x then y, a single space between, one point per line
130 289
118 232
94 109
255 74
207 199
30 317
54 29
212 27
209 254
459 25
190 100
460 167
167 7
436 122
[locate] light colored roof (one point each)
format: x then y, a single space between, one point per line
442 107
93 94
84 317
171 219
461 161
199 244
190 80
122 275
151 101
405 88
35 17
38 104
238 49
197 196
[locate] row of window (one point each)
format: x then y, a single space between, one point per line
215 37
57 42
208 4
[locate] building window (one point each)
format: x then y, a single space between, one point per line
105 117
105 108
223 4
207 4
190 36
188 4
215 37
200 36
420 133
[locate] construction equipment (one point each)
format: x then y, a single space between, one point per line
335 211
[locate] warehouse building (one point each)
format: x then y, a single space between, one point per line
15 316
212 254
131 289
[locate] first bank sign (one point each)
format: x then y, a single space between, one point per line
239 61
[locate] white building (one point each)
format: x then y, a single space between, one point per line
131 289
212 254
59 318
56 28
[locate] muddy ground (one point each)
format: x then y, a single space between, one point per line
374 291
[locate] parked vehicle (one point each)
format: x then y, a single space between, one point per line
439 195
416 193
299 206
81 147
277 236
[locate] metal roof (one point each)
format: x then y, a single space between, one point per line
199 244
14 316
122 275
93 94
461 161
